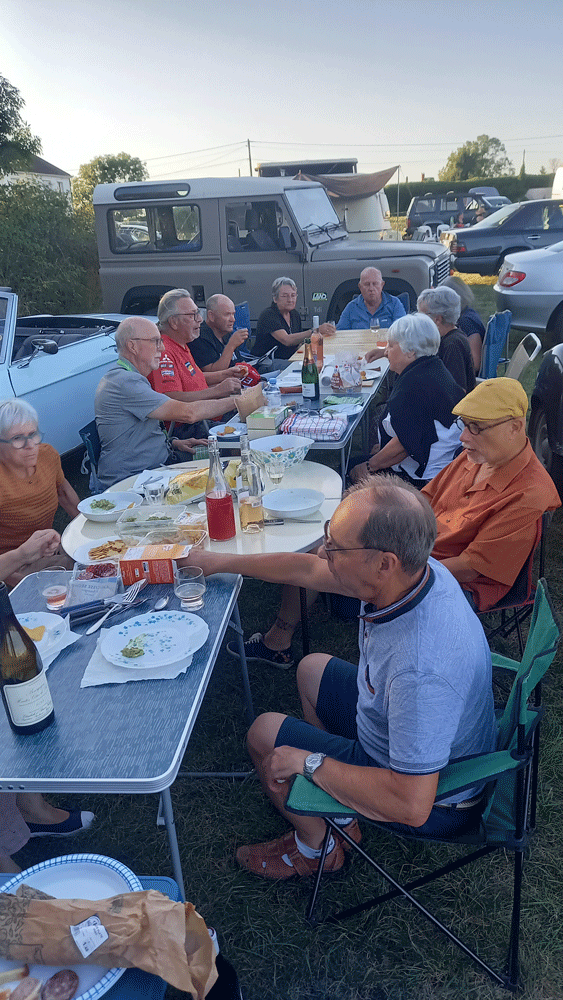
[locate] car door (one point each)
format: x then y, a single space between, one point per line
540 223
252 252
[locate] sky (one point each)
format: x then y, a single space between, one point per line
183 84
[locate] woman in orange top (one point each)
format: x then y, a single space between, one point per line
32 483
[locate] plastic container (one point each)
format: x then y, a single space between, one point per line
272 393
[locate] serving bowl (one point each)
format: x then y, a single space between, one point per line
294 449
121 502
292 502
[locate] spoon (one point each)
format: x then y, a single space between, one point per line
161 603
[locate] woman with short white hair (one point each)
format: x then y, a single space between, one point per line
417 432
32 484
443 305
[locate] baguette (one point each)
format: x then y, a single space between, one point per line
11 975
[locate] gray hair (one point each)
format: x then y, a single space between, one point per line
402 521
14 412
277 284
442 302
415 332
168 304
464 291
128 330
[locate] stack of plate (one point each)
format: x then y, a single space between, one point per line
167 638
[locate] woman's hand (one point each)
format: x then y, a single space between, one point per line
375 354
40 544
188 444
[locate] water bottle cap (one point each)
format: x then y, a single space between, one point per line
272 381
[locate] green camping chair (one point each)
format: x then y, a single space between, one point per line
510 774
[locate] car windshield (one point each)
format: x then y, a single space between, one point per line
497 218
313 209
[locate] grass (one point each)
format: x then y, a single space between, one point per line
389 955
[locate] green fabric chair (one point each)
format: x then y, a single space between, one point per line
510 774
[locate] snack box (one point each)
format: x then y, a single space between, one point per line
93 582
266 418
155 559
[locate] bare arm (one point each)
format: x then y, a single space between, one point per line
292 339
68 498
295 568
460 568
475 346
40 544
223 385
235 340
392 453
190 413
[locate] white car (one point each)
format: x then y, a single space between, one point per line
530 284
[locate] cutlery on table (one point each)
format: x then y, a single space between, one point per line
293 520
161 603
125 600
85 617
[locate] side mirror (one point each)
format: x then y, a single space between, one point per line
41 345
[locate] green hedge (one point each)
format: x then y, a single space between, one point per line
511 187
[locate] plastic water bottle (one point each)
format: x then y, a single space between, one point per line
272 393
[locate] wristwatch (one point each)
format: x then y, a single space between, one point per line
311 763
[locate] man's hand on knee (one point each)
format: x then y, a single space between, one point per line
282 764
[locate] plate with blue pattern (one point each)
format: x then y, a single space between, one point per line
76 876
166 637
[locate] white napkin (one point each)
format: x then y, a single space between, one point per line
159 475
101 671
65 640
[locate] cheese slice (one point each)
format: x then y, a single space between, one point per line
35 633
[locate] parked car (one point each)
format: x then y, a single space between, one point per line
481 249
545 427
55 363
530 284
491 198
443 209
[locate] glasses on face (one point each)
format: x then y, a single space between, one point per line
476 429
155 341
20 440
193 315
330 550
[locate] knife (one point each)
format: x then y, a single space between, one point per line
89 616
293 520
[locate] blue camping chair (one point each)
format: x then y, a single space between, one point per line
495 343
404 299
91 439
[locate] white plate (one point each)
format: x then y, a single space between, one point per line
121 500
162 646
293 502
192 629
81 553
346 409
218 431
55 625
77 876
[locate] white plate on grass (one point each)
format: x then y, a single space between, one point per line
81 553
219 430
78 876
55 626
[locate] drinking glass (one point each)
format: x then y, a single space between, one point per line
275 470
154 492
374 323
190 586
53 586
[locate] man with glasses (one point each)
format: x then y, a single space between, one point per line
129 412
376 735
488 501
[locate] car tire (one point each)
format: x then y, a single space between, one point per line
538 434
554 333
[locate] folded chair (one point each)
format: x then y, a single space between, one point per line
510 774
495 343
520 359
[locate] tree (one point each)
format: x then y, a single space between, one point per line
104 170
17 144
482 157
48 253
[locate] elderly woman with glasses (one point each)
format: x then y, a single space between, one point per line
32 483
279 325
417 433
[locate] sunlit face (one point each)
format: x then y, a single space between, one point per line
398 360
24 459
497 442
371 286
222 318
286 299
187 320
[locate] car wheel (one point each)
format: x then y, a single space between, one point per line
554 333
539 438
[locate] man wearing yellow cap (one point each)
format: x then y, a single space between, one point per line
488 501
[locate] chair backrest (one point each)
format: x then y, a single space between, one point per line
496 336
91 439
520 358
405 301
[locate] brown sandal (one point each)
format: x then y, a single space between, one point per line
266 860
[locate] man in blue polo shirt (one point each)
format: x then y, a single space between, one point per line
372 303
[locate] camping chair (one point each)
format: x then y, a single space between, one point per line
91 439
495 342
520 598
520 358
404 299
510 774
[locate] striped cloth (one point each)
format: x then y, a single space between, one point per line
314 426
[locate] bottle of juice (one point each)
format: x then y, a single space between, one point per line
218 498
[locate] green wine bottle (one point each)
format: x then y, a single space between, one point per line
309 374
25 691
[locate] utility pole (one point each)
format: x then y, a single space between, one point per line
249 156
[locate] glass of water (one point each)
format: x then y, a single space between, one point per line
189 587
374 323
275 469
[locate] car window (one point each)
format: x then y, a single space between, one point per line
450 205
425 205
553 217
253 226
164 228
502 218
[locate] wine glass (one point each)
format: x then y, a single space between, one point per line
374 323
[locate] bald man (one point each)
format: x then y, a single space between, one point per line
371 303
215 348
375 736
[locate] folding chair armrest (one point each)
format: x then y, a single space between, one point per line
464 774
306 799
505 662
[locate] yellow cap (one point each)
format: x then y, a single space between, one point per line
493 399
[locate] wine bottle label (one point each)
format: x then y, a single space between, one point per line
29 702
309 390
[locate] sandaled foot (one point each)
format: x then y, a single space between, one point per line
256 651
267 859
353 831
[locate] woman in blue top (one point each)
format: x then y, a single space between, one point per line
469 322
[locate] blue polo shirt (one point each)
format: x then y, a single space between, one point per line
356 315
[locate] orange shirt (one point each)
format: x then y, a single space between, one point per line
492 522
28 505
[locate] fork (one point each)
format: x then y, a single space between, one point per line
127 599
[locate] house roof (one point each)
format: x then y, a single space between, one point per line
37 165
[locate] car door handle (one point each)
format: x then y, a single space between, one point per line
236 281
536 237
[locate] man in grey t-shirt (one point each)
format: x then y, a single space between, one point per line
376 736
128 412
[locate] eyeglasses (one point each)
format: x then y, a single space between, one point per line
476 429
193 315
330 550
20 440
155 341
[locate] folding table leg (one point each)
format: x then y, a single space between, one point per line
304 621
173 840
236 626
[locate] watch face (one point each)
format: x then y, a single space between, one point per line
313 761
